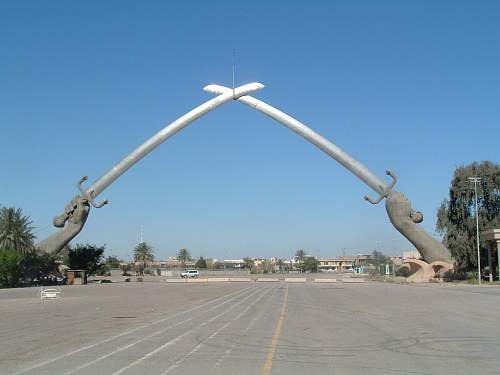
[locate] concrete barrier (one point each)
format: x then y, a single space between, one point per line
352 280
240 279
196 280
267 279
175 280
217 279
295 279
325 280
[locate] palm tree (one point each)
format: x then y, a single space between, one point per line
299 257
15 230
143 253
248 263
281 264
183 256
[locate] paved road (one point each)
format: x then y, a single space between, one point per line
252 328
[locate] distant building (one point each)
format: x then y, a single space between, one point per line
356 263
344 263
412 254
234 263
397 260
172 262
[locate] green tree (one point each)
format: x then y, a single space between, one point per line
281 264
183 256
299 255
143 253
28 268
86 257
11 268
299 258
201 263
15 230
456 216
248 263
39 266
309 264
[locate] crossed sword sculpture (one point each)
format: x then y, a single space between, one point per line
403 217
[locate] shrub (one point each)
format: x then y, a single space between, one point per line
403 272
38 266
455 275
125 269
103 271
85 257
11 268
139 269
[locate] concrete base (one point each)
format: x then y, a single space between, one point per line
217 279
211 280
325 280
295 279
240 279
352 280
423 272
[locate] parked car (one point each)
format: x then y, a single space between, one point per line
190 273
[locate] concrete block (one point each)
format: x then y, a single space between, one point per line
197 280
240 279
175 280
217 279
325 280
295 279
267 279
352 280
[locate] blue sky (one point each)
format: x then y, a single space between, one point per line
412 86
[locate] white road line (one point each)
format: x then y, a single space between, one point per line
233 345
87 347
178 338
122 348
201 344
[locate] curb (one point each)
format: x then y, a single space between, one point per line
349 280
325 280
295 279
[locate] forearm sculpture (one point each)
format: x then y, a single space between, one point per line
76 212
398 207
402 216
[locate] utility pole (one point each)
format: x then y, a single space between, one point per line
476 180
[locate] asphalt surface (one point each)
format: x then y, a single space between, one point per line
251 328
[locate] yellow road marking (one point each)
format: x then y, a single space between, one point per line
268 366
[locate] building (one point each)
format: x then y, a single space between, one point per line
234 263
358 263
412 254
172 262
397 260
344 263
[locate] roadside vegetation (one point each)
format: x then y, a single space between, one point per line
19 263
457 221
143 256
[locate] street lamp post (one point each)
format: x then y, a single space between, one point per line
476 180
